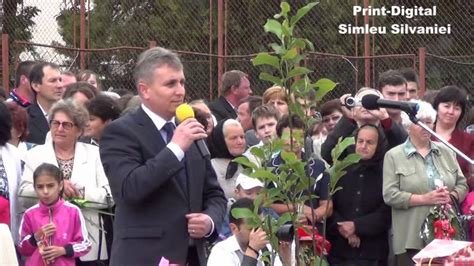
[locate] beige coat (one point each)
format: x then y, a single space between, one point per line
404 176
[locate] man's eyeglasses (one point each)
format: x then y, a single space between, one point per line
66 125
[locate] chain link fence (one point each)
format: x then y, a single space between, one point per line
115 32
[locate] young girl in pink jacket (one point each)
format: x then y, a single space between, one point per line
52 232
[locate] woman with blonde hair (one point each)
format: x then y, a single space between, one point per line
277 97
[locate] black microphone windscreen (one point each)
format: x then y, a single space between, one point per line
369 101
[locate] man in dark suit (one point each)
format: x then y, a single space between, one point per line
235 87
168 200
45 79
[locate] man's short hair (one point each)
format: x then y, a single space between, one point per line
409 74
253 101
244 203
284 122
68 73
330 107
264 111
152 59
230 79
83 87
23 69
392 78
103 107
37 73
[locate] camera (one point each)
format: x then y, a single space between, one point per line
285 233
351 102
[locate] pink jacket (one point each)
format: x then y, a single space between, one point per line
71 232
466 206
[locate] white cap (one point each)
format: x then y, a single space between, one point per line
247 182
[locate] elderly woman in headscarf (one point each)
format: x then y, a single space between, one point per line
227 142
358 227
418 175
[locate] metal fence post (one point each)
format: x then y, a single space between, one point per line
83 36
220 42
422 73
366 48
5 64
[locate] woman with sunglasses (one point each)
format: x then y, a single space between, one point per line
80 164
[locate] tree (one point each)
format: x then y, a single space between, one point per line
179 25
17 22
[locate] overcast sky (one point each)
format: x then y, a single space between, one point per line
46 29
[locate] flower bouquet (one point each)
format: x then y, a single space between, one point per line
306 234
442 222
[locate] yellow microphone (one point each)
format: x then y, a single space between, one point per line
185 111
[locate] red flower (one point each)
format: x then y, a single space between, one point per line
443 229
306 234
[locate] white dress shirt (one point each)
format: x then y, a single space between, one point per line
228 253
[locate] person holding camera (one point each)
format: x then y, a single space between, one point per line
392 133
246 245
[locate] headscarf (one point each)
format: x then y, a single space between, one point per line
218 148
379 151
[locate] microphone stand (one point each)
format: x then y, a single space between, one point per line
449 145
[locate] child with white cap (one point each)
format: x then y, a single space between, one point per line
245 187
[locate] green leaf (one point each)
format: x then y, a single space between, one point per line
258 152
274 27
335 190
320 261
301 12
264 174
268 77
242 213
309 44
341 146
291 54
273 193
297 109
278 49
288 156
283 219
266 59
298 71
245 162
258 200
285 8
286 30
298 43
298 84
324 86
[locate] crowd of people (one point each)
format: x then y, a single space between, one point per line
90 177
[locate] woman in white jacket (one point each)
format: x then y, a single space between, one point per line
10 168
82 169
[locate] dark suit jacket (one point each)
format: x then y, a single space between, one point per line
221 109
151 205
37 125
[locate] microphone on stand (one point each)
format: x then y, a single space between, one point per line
185 111
372 102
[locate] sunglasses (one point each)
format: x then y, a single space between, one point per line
66 125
